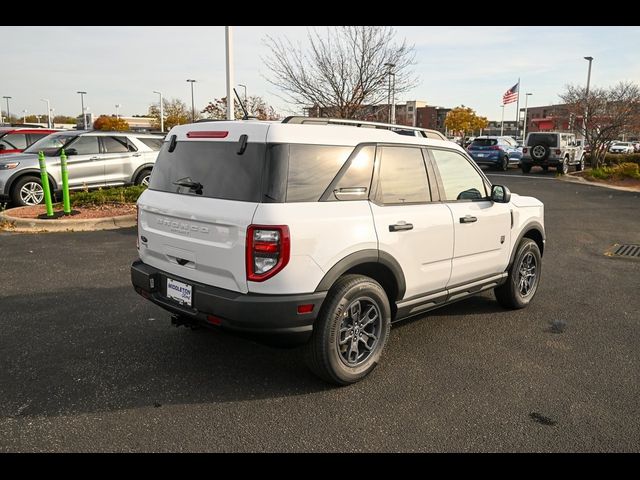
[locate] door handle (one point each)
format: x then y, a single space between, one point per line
94 158
468 219
137 154
400 226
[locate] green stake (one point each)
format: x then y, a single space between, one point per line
65 183
45 184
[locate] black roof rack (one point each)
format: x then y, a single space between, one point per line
401 129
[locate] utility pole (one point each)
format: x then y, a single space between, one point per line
228 36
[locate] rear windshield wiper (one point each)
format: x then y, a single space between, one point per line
190 184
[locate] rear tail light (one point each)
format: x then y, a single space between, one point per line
494 147
558 152
525 150
268 250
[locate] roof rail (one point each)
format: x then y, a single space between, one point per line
401 129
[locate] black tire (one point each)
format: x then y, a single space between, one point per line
510 294
580 164
563 166
545 168
504 166
144 174
324 354
526 167
540 152
20 197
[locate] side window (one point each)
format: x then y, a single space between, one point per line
86 145
115 144
459 179
17 140
34 137
154 144
403 176
311 170
356 180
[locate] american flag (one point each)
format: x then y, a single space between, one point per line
511 95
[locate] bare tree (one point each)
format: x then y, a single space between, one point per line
256 107
609 112
342 71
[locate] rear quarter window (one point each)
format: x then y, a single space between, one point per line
154 144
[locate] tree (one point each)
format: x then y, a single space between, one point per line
175 113
343 70
104 122
464 119
610 113
255 105
64 119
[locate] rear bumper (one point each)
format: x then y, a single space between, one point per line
554 161
270 315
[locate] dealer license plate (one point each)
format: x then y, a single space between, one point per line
180 292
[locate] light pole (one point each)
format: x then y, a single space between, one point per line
524 128
245 93
502 121
24 117
161 111
586 100
48 111
117 107
391 99
228 43
193 108
52 117
84 118
8 111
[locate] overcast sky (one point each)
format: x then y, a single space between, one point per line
473 66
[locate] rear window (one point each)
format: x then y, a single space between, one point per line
536 138
485 142
216 166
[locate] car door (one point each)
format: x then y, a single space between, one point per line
117 155
83 162
415 230
481 227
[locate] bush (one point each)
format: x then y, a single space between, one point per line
107 196
617 158
616 172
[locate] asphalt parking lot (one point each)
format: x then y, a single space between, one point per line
88 365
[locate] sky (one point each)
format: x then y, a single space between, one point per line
473 66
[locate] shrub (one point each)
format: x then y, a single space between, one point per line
616 158
107 196
616 172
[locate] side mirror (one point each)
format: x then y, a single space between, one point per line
71 151
3 146
500 194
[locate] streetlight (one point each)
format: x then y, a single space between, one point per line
586 101
84 118
524 129
193 108
24 117
117 107
245 93
8 111
48 111
391 95
502 121
161 111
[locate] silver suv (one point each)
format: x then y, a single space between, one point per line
95 159
554 149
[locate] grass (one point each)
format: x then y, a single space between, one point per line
114 195
615 172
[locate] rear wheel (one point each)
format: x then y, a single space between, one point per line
545 168
504 166
27 191
524 277
580 165
351 331
143 177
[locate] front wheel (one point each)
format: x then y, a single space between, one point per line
524 277
27 191
504 166
563 167
351 330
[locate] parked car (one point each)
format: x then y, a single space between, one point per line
497 152
621 147
15 140
556 149
324 235
95 159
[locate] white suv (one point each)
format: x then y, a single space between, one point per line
325 234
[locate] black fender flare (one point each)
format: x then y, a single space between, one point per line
145 166
359 258
27 171
532 225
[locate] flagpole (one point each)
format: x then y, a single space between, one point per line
502 122
518 111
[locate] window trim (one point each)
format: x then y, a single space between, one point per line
327 195
374 196
76 139
443 199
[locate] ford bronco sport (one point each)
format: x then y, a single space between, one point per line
325 234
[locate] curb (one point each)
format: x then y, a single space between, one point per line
572 178
29 225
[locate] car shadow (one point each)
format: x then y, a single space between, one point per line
105 349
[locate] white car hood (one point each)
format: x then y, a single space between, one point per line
520 201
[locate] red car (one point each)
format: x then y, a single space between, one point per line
16 139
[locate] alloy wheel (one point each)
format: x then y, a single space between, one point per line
31 193
359 331
527 275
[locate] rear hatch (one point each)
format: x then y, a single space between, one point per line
201 199
483 147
